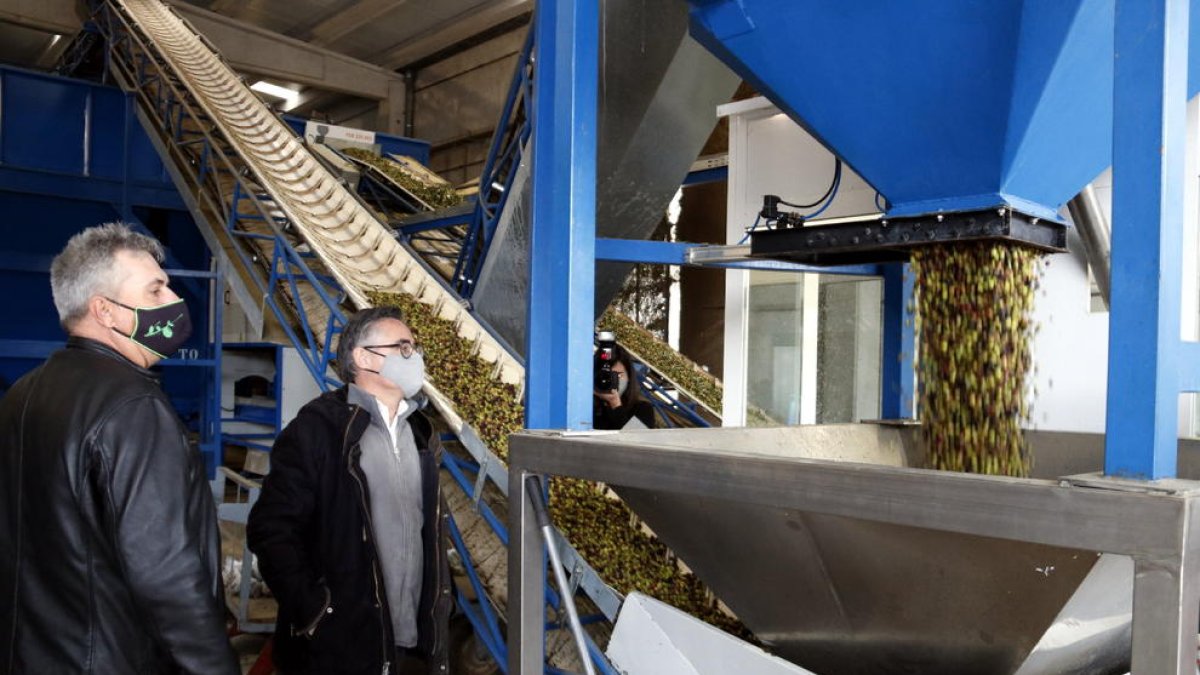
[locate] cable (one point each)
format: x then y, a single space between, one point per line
881 207
752 229
833 190
837 175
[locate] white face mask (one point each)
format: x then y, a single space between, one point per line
407 374
622 385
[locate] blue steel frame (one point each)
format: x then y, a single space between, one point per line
504 156
1148 364
664 403
563 237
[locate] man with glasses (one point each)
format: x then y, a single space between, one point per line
350 527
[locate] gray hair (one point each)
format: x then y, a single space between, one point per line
355 333
87 267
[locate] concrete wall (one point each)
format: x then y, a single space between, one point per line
459 101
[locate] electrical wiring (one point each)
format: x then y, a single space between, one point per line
753 227
830 192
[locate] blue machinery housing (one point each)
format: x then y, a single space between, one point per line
72 155
1010 103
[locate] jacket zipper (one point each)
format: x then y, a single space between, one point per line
437 546
351 466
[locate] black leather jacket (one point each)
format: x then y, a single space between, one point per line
311 530
108 536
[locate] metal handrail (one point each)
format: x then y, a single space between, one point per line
495 183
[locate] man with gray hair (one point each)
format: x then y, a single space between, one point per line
109 559
349 528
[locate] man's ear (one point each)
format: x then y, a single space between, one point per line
101 311
360 357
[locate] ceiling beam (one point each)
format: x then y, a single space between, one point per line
314 100
348 20
222 6
64 17
251 49
453 31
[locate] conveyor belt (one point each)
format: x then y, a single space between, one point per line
355 248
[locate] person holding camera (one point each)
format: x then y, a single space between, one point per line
617 399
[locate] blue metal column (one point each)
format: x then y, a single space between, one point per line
1149 131
562 281
898 382
563 239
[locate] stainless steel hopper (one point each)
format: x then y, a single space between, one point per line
844 559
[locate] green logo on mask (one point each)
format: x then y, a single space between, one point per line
166 330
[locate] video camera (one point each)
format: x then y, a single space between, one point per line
606 349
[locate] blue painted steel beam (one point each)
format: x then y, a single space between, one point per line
642 251
898 382
437 220
713 175
865 270
1149 132
563 238
675 253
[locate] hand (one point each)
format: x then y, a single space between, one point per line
611 398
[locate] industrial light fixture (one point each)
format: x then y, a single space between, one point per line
290 97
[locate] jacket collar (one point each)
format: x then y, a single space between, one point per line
96 347
363 399
338 406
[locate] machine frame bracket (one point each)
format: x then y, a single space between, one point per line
892 239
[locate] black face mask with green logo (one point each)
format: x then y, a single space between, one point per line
162 330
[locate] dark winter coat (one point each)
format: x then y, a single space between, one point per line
109 559
604 417
311 529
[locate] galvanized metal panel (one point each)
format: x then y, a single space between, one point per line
658 91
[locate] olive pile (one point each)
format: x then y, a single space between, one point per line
436 196
973 307
604 531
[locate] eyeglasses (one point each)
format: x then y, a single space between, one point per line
406 348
